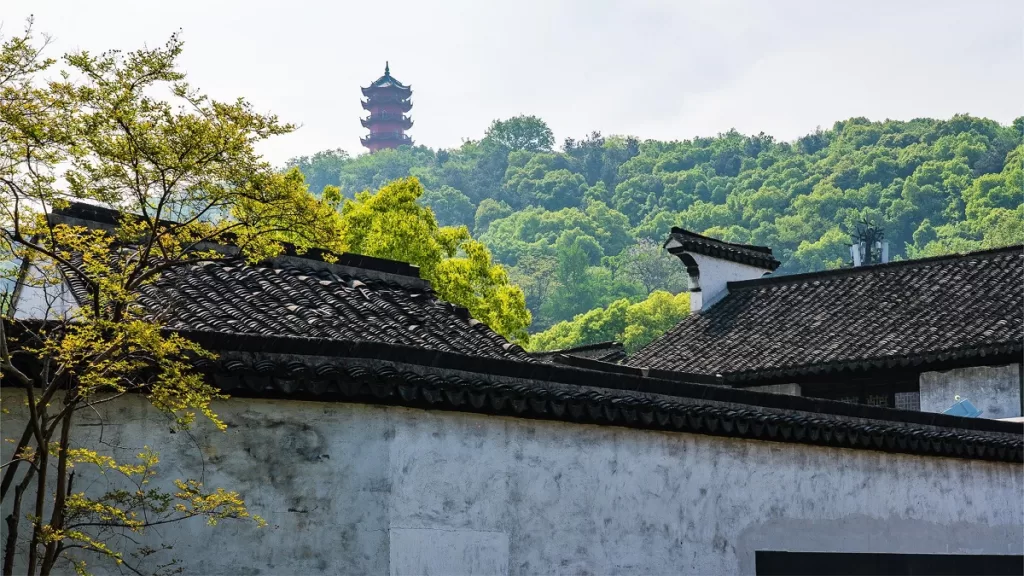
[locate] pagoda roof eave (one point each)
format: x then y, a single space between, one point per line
387 137
405 123
376 89
366 141
403 105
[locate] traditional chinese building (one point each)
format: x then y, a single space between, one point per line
913 335
381 430
387 100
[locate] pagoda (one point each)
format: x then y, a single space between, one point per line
387 100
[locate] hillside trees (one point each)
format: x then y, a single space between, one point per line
124 130
633 324
322 169
649 265
934 185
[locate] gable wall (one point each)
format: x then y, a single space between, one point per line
715 275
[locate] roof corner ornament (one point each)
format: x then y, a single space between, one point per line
387 68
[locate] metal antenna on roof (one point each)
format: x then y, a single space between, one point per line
869 246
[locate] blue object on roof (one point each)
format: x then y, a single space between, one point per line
963 408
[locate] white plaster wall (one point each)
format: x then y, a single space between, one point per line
993 389
715 273
354 489
785 389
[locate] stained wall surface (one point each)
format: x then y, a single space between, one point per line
349 488
996 390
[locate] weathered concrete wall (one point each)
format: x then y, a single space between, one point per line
993 389
785 389
353 489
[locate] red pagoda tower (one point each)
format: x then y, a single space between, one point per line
387 100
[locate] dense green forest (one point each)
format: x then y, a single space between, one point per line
580 228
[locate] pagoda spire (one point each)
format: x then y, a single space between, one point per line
387 101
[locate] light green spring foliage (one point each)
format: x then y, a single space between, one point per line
632 324
391 224
127 131
934 185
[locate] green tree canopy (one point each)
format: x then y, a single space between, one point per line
521 133
391 224
321 169
632 324
450 206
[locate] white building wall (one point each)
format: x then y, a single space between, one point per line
716 273
349 488
994 389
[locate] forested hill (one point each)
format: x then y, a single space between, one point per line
579 227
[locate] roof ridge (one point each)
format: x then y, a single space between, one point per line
618 378
858 270
681 241
384 373
755 247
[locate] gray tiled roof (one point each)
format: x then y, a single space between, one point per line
319 302
941 307
352 298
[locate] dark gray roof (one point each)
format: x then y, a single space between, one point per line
355 298
760 256
911 311
291 299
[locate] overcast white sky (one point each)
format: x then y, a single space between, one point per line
655 69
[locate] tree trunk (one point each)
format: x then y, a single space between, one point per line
61 492
12 525
42 457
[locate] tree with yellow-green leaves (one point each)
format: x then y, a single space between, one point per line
125 130
632 324
390 224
